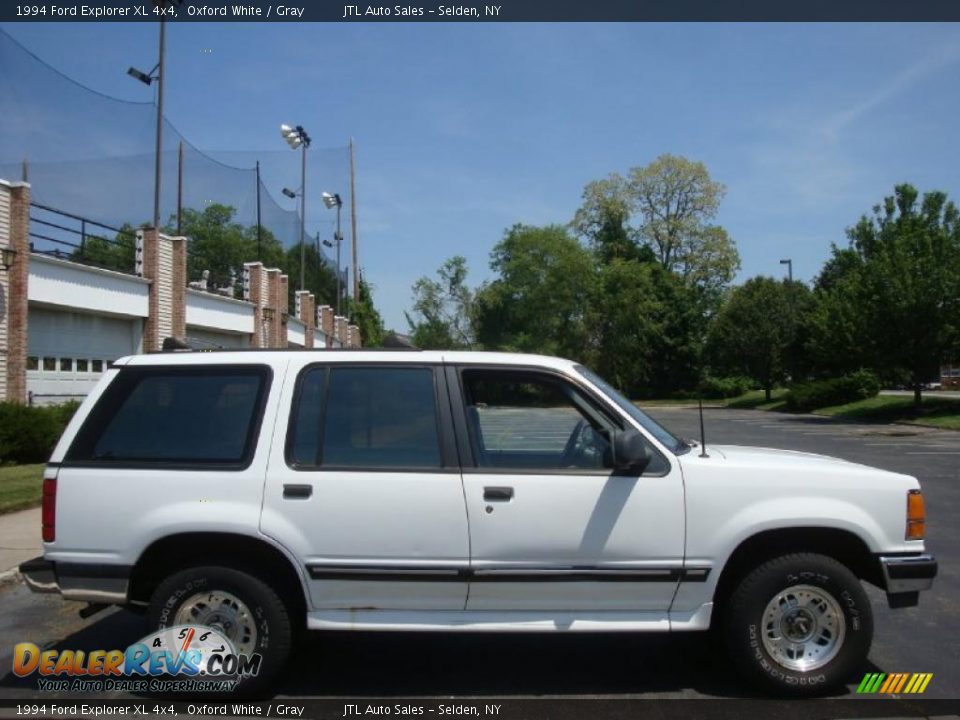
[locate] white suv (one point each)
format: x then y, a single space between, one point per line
258 493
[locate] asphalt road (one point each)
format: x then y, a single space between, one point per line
361 665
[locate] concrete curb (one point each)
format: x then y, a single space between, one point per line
10 577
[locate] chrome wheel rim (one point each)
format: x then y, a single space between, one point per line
225 613
803 628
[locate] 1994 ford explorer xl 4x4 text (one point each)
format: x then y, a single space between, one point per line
256 493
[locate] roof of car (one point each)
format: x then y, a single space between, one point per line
373 356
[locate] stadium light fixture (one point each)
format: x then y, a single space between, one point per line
289 193
297 137
145 78
332 200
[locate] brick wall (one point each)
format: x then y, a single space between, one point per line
306 313
325 323
162 260
266 290
15 235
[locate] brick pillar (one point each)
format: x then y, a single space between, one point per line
341 330
325 323
163 260
355 336
283 310
255 293
15 235
306 314
273 320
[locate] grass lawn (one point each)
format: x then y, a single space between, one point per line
757 400
20 486
669 402
935 411
753 400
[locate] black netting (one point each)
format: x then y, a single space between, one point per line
93 156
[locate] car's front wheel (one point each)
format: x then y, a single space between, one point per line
799 624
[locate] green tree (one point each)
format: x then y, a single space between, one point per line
366 317
118 254
221 246
443 309
896 291
646 328
602 220
540 299
319 277
755 331
665 210
676 199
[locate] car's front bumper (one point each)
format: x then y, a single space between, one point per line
905 576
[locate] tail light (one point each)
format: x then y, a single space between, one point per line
48 512
916 515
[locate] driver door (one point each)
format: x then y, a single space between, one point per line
552 526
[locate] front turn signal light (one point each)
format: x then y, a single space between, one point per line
916 515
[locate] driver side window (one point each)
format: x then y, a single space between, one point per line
527 421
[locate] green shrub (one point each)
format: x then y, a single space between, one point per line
835 391
29 434
728 387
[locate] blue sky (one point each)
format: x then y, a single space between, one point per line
463 130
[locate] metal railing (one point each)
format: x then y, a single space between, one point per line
83 237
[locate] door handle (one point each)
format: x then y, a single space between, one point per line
297 492
501 494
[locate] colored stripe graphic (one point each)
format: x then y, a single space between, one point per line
883 684
891 680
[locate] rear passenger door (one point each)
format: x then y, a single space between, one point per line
367 490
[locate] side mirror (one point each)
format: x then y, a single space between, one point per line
630 451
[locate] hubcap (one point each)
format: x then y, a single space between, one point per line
803 628
225 613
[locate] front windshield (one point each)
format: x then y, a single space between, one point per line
667 438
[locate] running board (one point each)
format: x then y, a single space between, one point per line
514 621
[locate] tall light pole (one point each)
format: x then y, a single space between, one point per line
789 263
334 201
297 137
147 79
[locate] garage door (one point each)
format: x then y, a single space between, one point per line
205 338
67 352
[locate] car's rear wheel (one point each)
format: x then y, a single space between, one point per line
237 605
799 624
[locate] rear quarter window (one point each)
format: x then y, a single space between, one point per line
191 416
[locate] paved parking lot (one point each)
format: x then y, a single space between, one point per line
922 639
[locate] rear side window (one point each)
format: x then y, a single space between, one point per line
356 417
191 416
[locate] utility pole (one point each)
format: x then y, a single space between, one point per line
161 83
179 186
303 213
339 240
353 226
259 230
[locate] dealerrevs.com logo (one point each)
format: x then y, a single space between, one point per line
184 658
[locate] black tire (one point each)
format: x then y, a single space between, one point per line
744 624
274 632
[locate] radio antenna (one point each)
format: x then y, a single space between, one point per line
703 436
